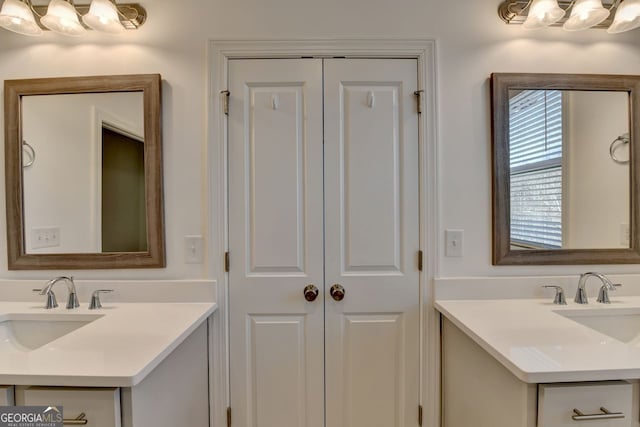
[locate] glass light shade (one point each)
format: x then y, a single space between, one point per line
62 18
103 16
585 14
543 13
627 17
16 16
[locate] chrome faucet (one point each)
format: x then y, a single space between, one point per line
559 299
72 301
603 297
95 298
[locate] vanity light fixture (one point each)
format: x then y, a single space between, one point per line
585 14
16 16
103 16
615 15
627 18
62 16
543 13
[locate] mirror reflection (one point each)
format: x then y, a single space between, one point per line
83 173
569 169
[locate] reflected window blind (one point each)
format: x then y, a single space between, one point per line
535 147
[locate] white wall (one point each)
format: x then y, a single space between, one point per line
472 43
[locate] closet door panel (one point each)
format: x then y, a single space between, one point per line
278 369
373 369
368 343
276 242
370 198
371 242
276 149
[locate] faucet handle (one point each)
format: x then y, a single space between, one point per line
603 293
51 298
559 298
95 298
73 302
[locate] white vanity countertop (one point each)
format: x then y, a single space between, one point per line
538 345
118 349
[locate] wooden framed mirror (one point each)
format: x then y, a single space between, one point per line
565 169
83 165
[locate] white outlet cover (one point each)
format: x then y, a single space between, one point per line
45 237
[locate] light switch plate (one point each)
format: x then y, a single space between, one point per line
193 250
454 240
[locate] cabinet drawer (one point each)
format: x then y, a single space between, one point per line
6 395
101 406
556 404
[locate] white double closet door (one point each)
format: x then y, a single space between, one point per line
323 191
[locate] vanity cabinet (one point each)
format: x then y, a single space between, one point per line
6 395
478 391
602 404
174 393
100 406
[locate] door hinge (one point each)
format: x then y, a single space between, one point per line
418 95
420 415
225 101
420 260
229 417
226 262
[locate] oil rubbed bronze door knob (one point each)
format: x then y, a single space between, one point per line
337 292
311 292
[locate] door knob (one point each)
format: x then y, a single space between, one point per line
337 292
311 292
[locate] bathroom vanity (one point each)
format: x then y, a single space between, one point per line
528 363
126 365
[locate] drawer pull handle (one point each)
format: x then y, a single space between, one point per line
80 420
605 415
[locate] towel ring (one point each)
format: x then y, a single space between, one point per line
29 155
617 143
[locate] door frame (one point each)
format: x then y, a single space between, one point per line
216 217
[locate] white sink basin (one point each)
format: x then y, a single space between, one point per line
26 332
622 324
